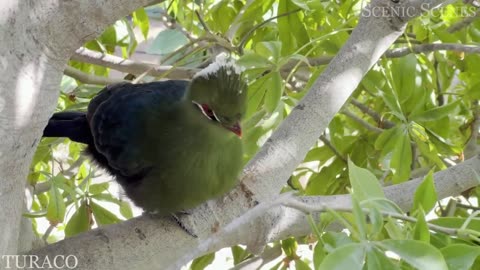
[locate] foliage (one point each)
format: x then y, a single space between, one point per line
414 114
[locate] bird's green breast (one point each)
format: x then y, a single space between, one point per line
193 160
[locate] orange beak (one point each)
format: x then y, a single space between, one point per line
235 129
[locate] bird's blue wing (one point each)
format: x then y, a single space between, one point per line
117 118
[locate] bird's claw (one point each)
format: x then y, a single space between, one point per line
179 222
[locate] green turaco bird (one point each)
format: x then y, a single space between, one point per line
171 145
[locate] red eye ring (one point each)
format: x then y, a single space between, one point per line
207 111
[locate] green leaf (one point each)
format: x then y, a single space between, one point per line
425 195
131 38
319 184
382 204
167 41
473 92
126 210
273 95
364 184
201 262
256 92
388 139
56 206
437 113
254 10
270 50
421 231
301 265
377 260
351 257
391 101
404 75
334 240
301 4
376 220
98 188
460 256
79 222
109 38
319 253
456 222
427 149
360 220
223 14
140 19
102 215
416 253
239 254
254 61
289 246
321 154
107 197
394 229
401 159
291 30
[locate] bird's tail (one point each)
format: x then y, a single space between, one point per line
73 125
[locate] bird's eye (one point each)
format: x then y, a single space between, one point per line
207 111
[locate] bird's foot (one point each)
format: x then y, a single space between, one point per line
175 217
184 213
179 222
151 214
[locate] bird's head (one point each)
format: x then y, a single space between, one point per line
220 92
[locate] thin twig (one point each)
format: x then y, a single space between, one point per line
470 207
362 122
294 203
202 22
328 144
399 52
365 109
47 233
172 23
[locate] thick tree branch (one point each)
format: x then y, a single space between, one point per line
89 78
135 237
394 53
423 48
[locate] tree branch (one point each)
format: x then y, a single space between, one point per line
89 78
129 66
328 144
399 52
362 122
395 53
105 247
365 109
463 23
